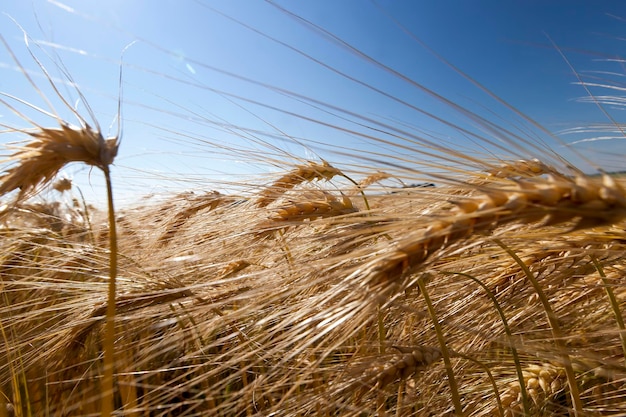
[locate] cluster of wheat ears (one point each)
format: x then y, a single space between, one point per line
498 292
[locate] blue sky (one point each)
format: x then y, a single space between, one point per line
195 82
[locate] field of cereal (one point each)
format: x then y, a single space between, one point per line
408 277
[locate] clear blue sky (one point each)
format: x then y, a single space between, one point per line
185 85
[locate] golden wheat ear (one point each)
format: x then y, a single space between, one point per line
38 161
301 173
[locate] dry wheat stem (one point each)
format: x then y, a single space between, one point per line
109 338
608 283
445 353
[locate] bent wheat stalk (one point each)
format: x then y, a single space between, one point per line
609 283
445 353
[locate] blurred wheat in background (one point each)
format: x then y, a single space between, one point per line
397 273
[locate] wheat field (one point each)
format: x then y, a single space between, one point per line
416 280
